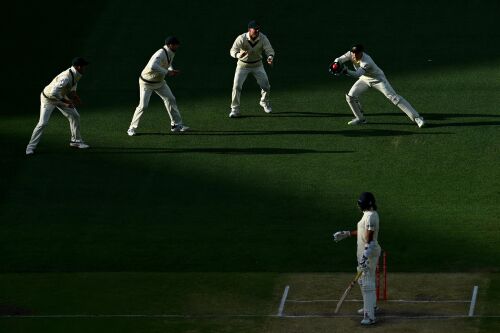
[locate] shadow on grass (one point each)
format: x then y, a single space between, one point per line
360 132
222 151
445 117
300 114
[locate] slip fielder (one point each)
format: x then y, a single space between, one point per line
152 79
248 49
368 253
369 75
61 94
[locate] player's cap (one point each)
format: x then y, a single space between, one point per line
79 61
172 40
357 48
253 25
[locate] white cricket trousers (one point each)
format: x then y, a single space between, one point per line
367 284
386 89
162 90
46 108
240 76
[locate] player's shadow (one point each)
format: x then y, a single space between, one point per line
220 151
444 119
358 132
300 114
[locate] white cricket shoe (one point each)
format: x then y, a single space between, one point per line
79 144
357 121
131 131
266 106
179 128
361 311
30 151
368 321
234 113
420 122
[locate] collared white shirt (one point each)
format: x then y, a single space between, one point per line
63 84
369 221
159 65
365 68
254 49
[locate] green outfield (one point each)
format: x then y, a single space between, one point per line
216 221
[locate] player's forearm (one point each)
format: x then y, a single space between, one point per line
236 48
268 49
343 58
357 73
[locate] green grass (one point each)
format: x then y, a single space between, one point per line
262 193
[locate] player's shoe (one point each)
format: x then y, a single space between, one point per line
30 151
357 121
368 321
266 106
179 128
361 311
234 113
78 144
420 122
131 131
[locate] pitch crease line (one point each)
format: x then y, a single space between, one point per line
283 300
388 301
473 301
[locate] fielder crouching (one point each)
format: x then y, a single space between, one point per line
152 79
368 253
369 75
61 94
248 49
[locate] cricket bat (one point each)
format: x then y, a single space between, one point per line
349 287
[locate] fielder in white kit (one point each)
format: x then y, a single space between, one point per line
248 49
152 79
368 253
369 75
61 94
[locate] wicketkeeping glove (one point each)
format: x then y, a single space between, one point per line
336 68
340 235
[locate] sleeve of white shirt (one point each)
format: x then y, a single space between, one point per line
357 73
156 65
371 224
268 49
236 48
344 58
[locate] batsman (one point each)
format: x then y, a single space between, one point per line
368 253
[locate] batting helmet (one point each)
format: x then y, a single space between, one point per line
366 201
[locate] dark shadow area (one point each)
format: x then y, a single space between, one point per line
360 132
303 114
437 29
222 151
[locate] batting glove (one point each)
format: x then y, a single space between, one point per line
340 235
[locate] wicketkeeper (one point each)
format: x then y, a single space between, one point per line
152 79
368 254
369 75
61 94
248 49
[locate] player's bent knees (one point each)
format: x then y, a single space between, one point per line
351 99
